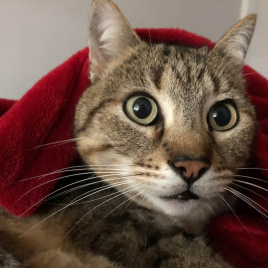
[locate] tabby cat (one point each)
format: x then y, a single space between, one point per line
164 128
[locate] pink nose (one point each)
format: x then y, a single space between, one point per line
191 171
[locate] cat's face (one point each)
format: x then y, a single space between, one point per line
173 122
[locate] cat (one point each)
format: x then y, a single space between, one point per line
164 128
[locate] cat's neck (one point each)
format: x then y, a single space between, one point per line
192 223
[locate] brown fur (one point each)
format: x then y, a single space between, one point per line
132 237
131 224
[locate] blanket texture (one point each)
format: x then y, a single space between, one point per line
44 115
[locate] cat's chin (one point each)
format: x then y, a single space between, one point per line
190 214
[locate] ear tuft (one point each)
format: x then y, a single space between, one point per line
110 35
238 38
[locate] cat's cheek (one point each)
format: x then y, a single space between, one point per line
212 184
233 146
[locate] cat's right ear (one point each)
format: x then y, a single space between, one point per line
236 41
110 36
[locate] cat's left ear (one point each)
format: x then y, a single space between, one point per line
236 41
110 36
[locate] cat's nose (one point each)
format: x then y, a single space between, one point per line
190 169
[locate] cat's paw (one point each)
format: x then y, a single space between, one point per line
182 252
7 260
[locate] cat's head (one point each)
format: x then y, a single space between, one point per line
172 121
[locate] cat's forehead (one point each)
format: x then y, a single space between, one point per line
184 74
184 79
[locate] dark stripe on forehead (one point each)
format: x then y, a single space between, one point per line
189 74
166 51
201 74
181 53
215 81
157 73
198 59
92 113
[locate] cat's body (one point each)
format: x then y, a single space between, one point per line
166 128
127 236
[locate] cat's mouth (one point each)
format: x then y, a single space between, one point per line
184 196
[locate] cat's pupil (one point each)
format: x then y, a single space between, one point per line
142 108
222 115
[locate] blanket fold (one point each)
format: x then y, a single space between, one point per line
36 138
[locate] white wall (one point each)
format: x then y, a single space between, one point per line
258 52
38 35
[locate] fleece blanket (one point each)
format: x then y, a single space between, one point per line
44 115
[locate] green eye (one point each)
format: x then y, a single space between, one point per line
222 116
141 109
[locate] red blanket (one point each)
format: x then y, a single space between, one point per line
45 115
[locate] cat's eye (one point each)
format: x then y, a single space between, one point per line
141 109
222 116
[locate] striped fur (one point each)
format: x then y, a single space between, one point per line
139 228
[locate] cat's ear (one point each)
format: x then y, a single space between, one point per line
236 41
110 35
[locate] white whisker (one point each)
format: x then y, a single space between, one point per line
70 170
63 188
234 213
246 200
255 168
82 186
103 188
235 70
250 191
84 169
121 194
64 208
120 206
72 175
111 186
222 62
252 184
58 142
251 178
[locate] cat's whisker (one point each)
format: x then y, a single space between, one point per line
51 173
79 169
254 168
222 62
110 186
130 199
67 176
120 194
63 209
240 186
245 74
250 200
82 186
235 70
73 202
234 213
252 184
64 188
73 168
58 142
150 37
89 193
105 187
253 178
247 200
